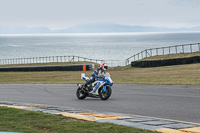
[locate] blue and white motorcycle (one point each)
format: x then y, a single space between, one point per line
101 88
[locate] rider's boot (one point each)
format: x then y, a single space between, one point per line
85 88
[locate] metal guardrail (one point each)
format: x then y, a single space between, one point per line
185 48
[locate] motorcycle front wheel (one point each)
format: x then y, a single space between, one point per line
104 95
80 93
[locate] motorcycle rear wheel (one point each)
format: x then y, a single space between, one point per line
80 94
104 95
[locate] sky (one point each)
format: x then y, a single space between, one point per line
56 14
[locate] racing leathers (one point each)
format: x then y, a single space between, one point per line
97 73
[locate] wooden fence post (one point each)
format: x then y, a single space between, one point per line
156 51
163 51
60 58
183 48
146 53
151 51
199 46
142 54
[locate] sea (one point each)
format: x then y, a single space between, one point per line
102 46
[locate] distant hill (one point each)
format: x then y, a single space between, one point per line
106 28
109 27
92 28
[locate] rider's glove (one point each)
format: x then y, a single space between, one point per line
102 76
97 76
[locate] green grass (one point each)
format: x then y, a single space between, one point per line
167 75
16 120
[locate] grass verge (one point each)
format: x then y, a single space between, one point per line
16 120
166 75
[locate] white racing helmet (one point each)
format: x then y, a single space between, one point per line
104 66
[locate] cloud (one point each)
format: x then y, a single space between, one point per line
185 3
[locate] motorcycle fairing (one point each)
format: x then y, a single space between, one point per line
98 85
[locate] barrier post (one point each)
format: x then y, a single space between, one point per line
84 67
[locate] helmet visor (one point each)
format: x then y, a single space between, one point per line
106 67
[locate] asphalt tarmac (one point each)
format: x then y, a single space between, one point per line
163 101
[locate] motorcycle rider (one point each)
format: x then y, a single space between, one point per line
96 74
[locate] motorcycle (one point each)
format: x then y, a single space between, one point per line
101 88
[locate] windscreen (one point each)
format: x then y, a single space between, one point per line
107 74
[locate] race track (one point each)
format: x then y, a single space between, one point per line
163 101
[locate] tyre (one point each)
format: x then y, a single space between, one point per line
80 93
104 95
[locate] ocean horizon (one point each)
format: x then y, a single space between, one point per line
102 46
